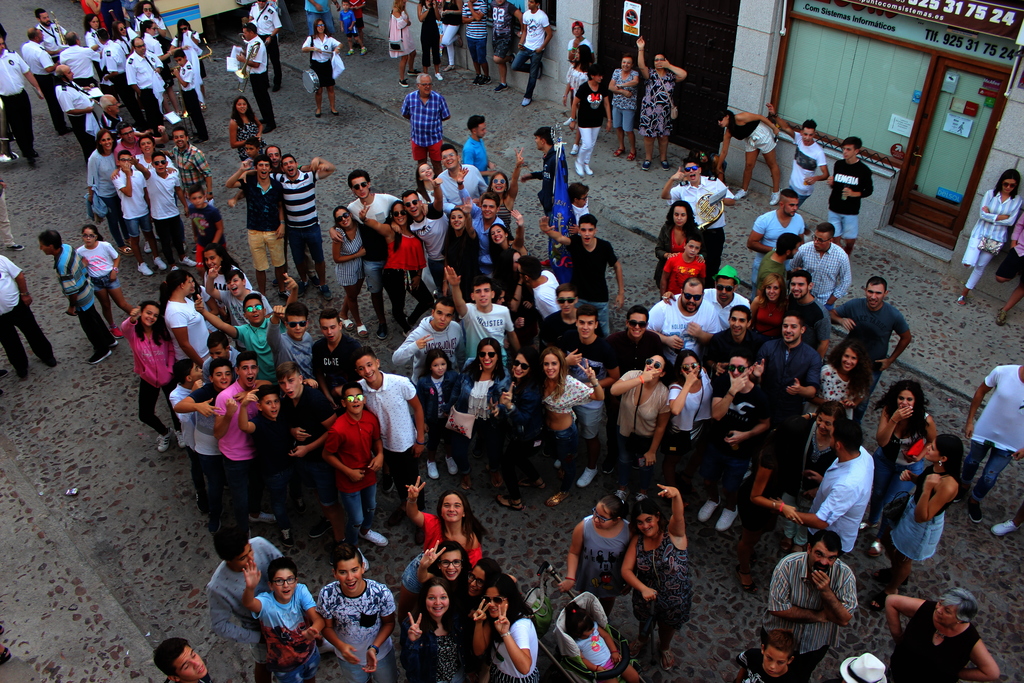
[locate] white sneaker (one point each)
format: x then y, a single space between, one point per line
575 150
587 477
526 102
432 469
439 77
185 260
639 496
706 510
726 520
1003 528
159 263
181 439
262 518
146 248
452 467
774 200
557 464
586 167
374 538
163 442
621 494
145 269
579 169
739 194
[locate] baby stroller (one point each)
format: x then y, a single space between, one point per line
567 657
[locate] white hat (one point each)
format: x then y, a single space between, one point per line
864 669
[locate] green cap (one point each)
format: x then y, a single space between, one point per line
729 272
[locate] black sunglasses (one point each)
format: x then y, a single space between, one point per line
487 354
724 288
566 299
692 297
656 364
520 364
399 213
736 368
356 186
637 323
296 323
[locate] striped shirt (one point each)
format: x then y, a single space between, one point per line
299 199
476 30
791 587
73 274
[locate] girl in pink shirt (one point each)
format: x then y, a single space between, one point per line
153 350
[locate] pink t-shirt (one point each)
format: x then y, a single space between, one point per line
236 444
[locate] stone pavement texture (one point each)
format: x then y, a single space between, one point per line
95 581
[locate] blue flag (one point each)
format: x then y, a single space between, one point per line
561 218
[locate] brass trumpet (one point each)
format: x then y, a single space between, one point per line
243 73
709 208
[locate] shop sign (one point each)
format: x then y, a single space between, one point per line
990 18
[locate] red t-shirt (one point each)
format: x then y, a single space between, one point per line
432 534
679 271
352 441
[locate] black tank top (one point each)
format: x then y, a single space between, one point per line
743 132
916 658
919 487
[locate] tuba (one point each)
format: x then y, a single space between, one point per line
243 73
709 208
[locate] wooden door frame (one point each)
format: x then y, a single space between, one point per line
925 119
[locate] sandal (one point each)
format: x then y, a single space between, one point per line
668 660
504 502
631 155
347 324
877 602
466 483
362 331
496 480
450 67
526 483
885 576
875 549
557 499
747 587
619 152
636 646
126 251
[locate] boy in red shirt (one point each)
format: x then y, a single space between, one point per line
683 265
354 448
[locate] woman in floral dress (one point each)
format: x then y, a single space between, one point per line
656 108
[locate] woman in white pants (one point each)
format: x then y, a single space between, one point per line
451 17
590 106
999 209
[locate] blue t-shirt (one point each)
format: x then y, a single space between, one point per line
282 626
767 225
348 20
205 223
475 154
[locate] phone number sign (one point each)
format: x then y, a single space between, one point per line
992 18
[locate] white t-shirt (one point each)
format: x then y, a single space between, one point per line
162 197
100 260
185 315
525 636
479 326
380 208
1002 421
10 295
711 299
545 297
357 620
134 206
535 23
585 41
667 319
697 406
690 194
188 425
806 161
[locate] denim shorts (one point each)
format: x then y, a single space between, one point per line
320 476
477 49
846 226
589 420
373 270
104 282
624 119
300 238
303 672
717 465
135 224
409 576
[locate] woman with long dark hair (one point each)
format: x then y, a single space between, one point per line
104 270
187 326
904 429
477 393
461 250
916 536
522 402
188 41
644 413
599 542
674 235
92 23
689 402
656 107
507 188
846 376
432 643
243 126
153 352
102 165
429 13
322 47
404 266
348 269
999 209
502 627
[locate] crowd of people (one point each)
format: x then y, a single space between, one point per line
508 356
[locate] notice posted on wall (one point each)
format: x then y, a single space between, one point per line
958 125
631 18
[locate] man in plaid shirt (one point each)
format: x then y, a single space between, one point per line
426 111
74 282
190 161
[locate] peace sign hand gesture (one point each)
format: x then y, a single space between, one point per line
414 628
501 624
430 556
413 490
480 613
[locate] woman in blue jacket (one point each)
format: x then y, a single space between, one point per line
476 393
432 642
522 403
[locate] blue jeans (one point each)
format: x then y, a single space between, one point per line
528 60
800 199
303 672
567 446
277 484
359 509
387 671
862 407
602 313
436 269
477 49
239 476
491 437
134 225
625 463
311 17
213 470
998 458
887 484
115 219
300 238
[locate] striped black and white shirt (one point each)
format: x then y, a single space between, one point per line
299 199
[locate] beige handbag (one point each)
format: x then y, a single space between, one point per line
461 423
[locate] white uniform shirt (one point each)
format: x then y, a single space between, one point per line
12 66
91 38
114 54
160 25
142 71
690 194
153 46
260 55
10 294
71 97
52 37
81 60
188 76
266 18
37 59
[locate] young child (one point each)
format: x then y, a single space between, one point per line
770 662
187 378
219 346
289 337
599 650
207 223
273 439
354 448
683 265
103 260
188 79
360 616
288 619
180 663
357 10
253 333
434 389
347 18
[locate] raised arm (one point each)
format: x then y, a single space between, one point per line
553 234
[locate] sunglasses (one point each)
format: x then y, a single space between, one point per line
359 186
599 518
399 213
498 180
690 366
342 217
520 364
736 368
412 203
692 297
724 288
566 299
487 354
352 398
257 307
637 323
656 364
290 581
157 162
497 599
691 168
450 563
296 323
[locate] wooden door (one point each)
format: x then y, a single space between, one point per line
699 36
948 149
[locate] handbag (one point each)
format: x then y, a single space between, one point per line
894 509
674 112
990 245
461 423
